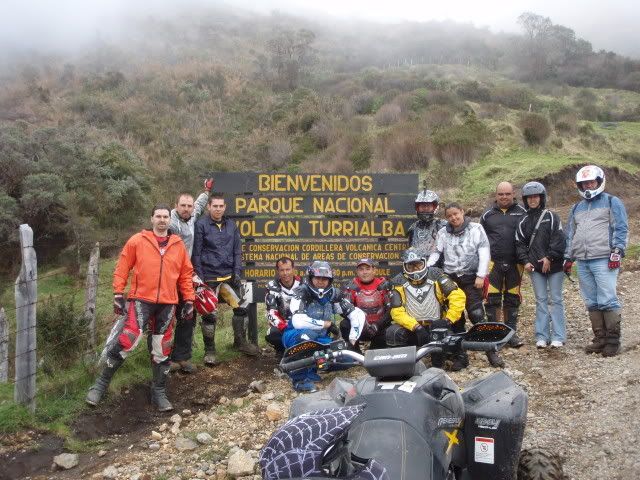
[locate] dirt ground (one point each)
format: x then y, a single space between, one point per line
583 407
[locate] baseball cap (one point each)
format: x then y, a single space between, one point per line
366 261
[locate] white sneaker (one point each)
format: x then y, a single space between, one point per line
557 344
541 344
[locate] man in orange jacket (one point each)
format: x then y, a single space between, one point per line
161 266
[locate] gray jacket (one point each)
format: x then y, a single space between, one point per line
184 228
595 227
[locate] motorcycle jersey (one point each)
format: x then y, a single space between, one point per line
422 235
421 302
370 298
278 300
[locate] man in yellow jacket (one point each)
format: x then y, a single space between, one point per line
422 297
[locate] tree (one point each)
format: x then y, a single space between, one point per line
290 51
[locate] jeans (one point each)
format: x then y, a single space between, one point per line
550 320
598 284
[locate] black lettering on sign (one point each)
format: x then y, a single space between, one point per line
274 183
263 228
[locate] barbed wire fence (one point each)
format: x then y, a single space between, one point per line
27 301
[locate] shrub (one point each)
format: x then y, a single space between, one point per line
438 116
60 327
321 133
307 120
535 128
404 150
360 156
438 97
567 124
363 103
194 94
418 99
388 115
493 111
557 142
94 111
472 90
459 144
586 129
279 153
518 98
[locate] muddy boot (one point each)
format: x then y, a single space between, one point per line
460 362
240 337
97 391
209 337
599 332
612 320
184 366
159 387
495 360
492 313
511 320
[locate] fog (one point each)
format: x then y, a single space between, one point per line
66 25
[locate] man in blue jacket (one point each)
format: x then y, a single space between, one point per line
217 260
597 236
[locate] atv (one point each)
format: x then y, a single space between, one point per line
414 420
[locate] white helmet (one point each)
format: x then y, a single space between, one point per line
590 172
427 196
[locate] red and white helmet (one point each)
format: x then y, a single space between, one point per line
590 172
206 301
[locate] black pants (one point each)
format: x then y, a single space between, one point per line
473 304
504 281
183 340
274 338
398 336
377 341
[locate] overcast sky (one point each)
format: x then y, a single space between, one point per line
612 25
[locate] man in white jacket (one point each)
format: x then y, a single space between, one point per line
183 218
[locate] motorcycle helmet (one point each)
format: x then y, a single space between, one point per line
206 301
590 172
534 188
427 196
319 269
412 255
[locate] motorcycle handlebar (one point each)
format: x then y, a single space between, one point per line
297 364
478 346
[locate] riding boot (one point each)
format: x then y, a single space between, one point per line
599 332
612 320
511 320
159 387
97 391
492 312
495 360
460 361
208 326
240 337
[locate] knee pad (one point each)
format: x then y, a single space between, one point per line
240 312
397 336
476 316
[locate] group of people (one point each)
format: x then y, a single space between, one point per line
453 269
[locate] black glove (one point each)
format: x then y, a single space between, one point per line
118 304
422 336
386 285
370 329
333 330
235 282
187 311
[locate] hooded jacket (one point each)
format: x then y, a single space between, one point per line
158 273
549 241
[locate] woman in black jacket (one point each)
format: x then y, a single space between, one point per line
540 245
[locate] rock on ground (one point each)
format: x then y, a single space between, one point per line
66 460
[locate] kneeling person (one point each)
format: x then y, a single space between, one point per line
280 291
370 294
313 307
420 297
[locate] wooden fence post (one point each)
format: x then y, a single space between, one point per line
26 292
91 295
4 347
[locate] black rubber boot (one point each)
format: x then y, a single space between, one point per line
495 360
511 320
97 391
159 387
492 312
460 361
240 337
599 332
208 326
612 321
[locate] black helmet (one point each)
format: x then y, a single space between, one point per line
411 255
534 188
319 269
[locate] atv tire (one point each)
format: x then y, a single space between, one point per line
539 464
